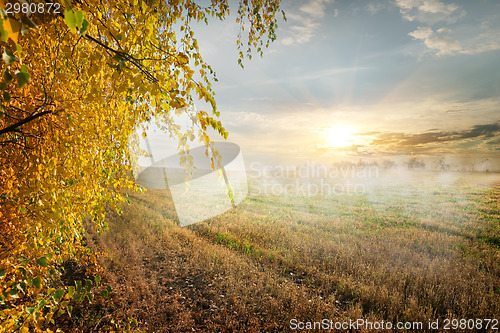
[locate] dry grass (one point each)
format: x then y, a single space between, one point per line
403 253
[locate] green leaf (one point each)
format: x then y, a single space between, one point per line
70 19
6 96
8 56
41 304
37 282
13 293
79 16
69 309
24 68
71 291
88 285
7 76
3 271
77 296
3 85
104 293
19 50
22 78
84 27
4 35
59 294
42 261
78 285
97 279
108 288
28 22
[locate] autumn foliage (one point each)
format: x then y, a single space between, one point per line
76 82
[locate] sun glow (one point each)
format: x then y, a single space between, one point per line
338 136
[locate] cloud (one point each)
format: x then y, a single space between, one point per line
429 11
315 8
306 21
301 34
483 47
375 7
487 131
487 39
422 33
441 42
437 141
438 40
476 39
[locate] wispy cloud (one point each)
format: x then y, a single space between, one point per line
375 7
438 41
441 41
488 38
326 73
332 72
314 8
306 21
430 11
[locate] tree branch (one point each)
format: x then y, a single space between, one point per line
34 115
124 55
14 127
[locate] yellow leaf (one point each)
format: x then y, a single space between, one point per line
12 27
182 59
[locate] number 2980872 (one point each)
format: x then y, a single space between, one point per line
32 8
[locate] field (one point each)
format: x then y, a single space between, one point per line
426 248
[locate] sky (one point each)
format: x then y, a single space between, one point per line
352 79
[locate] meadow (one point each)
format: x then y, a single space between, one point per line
413 249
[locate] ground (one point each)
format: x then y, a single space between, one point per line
411 252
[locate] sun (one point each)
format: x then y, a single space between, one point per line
338 136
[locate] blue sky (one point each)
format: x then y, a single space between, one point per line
365 79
